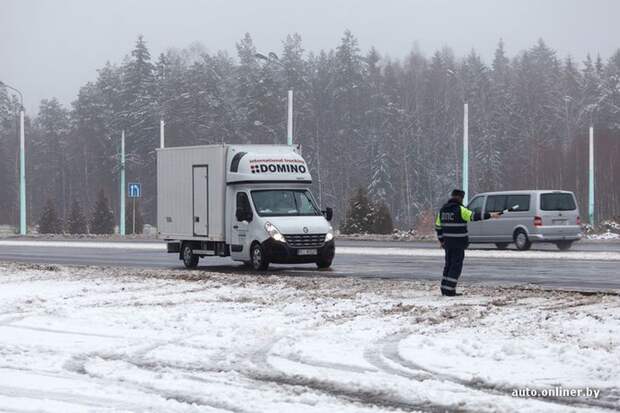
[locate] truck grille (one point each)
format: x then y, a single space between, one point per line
305 240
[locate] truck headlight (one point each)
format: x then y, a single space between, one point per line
273 232
330 235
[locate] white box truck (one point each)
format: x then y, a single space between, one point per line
249 202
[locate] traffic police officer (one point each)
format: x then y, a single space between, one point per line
451 227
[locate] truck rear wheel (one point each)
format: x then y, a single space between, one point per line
190 260
260 262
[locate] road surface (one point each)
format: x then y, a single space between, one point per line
374 259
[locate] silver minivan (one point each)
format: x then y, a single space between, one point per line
529 216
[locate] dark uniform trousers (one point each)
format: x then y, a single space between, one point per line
451 226
452 269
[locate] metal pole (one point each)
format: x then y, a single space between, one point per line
162 124
121 227
23 229
591 179
289 134
133 226
466 151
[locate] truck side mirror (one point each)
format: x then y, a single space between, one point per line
248 215
329 213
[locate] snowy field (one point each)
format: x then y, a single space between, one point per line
94 339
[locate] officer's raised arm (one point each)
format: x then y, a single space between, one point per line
468 215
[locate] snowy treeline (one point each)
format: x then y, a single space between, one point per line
392 126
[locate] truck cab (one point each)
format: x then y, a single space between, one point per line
250 202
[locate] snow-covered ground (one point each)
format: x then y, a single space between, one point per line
604 236
95 339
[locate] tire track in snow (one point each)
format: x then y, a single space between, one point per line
187 398
77 399
389 349
264 372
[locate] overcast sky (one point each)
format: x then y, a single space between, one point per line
50 48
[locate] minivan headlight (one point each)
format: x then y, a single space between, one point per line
273 232
330 235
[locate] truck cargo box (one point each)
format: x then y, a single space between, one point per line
191 192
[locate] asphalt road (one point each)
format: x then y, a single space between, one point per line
592 274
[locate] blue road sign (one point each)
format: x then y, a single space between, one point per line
134 190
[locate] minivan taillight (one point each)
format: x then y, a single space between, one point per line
578 221
537 221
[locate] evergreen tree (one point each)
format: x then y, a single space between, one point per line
102 220
9 143
380 187
76 224
501 113
140 116
49 223
49 153
382 219
359 214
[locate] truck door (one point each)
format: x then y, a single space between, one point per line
241 217
200 183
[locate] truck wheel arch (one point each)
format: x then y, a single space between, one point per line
193 244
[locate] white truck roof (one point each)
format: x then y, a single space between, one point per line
266 163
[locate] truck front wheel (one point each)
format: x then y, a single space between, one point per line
324 263
190 260
260 262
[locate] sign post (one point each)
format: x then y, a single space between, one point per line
134 190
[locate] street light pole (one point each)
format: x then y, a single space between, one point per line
273 58
162 126
121 224
23 229
591 177
289 125
465 175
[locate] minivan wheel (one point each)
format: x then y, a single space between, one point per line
259 259
522 241
564 245
501 245
190 260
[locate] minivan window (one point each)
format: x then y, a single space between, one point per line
496 203
557 202
284 202
521 201
476 204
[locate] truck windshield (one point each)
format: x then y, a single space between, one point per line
284 202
